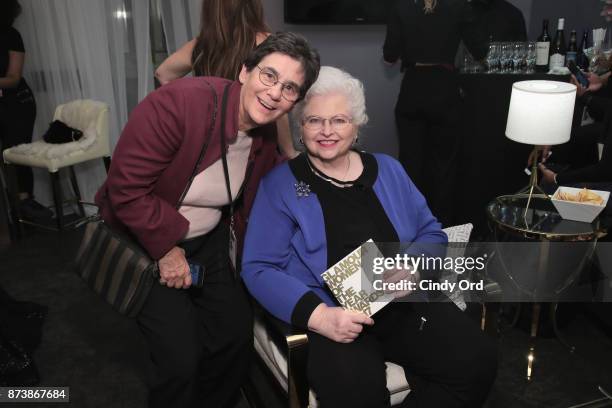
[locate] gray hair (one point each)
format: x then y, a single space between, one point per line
332 80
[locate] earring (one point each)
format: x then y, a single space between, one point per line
356 140
301 141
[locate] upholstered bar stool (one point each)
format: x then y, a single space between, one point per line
86 115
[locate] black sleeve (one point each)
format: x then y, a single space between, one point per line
473 34
15 42
521 34
304 308
392 49
599 106
599 172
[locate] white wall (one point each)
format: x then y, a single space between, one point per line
578 14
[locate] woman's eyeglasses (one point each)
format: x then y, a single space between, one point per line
269 77
316 123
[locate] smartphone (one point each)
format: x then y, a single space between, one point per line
582 79
197 275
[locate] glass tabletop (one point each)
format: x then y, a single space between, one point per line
541 221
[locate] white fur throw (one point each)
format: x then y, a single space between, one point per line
56 151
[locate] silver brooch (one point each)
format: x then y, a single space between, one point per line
302 189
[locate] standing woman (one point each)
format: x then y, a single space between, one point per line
17 105
177 171
229 30
425 35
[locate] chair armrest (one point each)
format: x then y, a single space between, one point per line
294 342
293 337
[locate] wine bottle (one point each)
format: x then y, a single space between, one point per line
557 48
543 48
572 49
582 60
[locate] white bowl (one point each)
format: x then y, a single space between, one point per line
572 210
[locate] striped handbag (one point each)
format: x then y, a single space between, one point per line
115 268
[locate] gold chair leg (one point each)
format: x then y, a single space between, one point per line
297 382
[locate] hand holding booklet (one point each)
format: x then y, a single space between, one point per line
352 286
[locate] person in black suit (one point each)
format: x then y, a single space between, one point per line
425 36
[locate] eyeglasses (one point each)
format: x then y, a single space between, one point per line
316 123
269 77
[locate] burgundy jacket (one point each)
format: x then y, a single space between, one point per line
158 151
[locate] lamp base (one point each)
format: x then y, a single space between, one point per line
532 190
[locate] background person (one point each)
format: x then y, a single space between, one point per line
311 212
229 29
17 107
597 175
425 35
200 339
500 20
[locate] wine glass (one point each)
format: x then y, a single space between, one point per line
492 58
506 57
530 57
518 55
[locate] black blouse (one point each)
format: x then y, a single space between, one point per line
10 40
414 36
352 215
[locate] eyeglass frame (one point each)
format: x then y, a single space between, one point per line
277 81
323 120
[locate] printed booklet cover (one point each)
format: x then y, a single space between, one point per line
350 283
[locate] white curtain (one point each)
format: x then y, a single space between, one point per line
144 62
181 19
92 49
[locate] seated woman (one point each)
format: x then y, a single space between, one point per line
312 211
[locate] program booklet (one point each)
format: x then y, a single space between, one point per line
352 286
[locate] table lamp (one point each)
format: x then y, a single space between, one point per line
540 113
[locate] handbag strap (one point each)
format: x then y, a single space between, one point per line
206 143
224 152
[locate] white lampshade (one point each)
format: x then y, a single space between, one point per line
541 112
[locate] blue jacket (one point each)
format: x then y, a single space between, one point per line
285 249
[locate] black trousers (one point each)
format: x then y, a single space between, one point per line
448 363
428 117
200 340
17 116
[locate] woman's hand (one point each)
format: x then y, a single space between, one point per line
174 269
538 153
547 174
337 324
596 82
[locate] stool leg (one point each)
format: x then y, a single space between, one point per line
77 192
58 200
107 163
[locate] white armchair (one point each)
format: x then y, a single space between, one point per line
91 117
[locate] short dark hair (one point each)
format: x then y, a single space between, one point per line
9 11
294 46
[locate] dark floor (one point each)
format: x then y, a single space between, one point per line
102 358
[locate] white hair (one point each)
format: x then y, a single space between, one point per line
334 80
